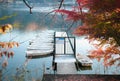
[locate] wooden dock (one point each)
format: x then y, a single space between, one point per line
60 45
41 45
64 54
66 68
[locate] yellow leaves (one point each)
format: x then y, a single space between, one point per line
5 28
2 31
8 26
107 22
6 17
9 44
16 24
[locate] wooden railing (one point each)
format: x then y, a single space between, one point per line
69 39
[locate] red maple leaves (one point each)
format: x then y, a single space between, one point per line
71 15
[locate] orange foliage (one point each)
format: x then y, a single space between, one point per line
9 44
6 46
101 22
5 28
81 30
110 55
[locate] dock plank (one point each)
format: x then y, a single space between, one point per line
64 58
41 45
66 68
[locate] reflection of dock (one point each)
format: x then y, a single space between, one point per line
64 54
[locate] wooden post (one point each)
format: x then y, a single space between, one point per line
75 47
64 46
54 50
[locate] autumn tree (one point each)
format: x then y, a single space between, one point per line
101 22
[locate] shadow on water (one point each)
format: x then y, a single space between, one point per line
79 67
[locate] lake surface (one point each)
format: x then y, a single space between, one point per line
26 27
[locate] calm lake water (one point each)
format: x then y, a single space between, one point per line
26 27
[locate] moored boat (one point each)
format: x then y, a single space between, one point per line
84 60
32 53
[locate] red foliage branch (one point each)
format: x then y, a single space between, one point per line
101 21
71 15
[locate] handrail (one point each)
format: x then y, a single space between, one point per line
71 43
73 47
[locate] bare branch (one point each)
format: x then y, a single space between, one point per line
30 7
61 4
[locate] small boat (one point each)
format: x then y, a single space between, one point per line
36 48
40 47
84 60
42 44
33 53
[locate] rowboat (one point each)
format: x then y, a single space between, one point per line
32 53
84 60
36 48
